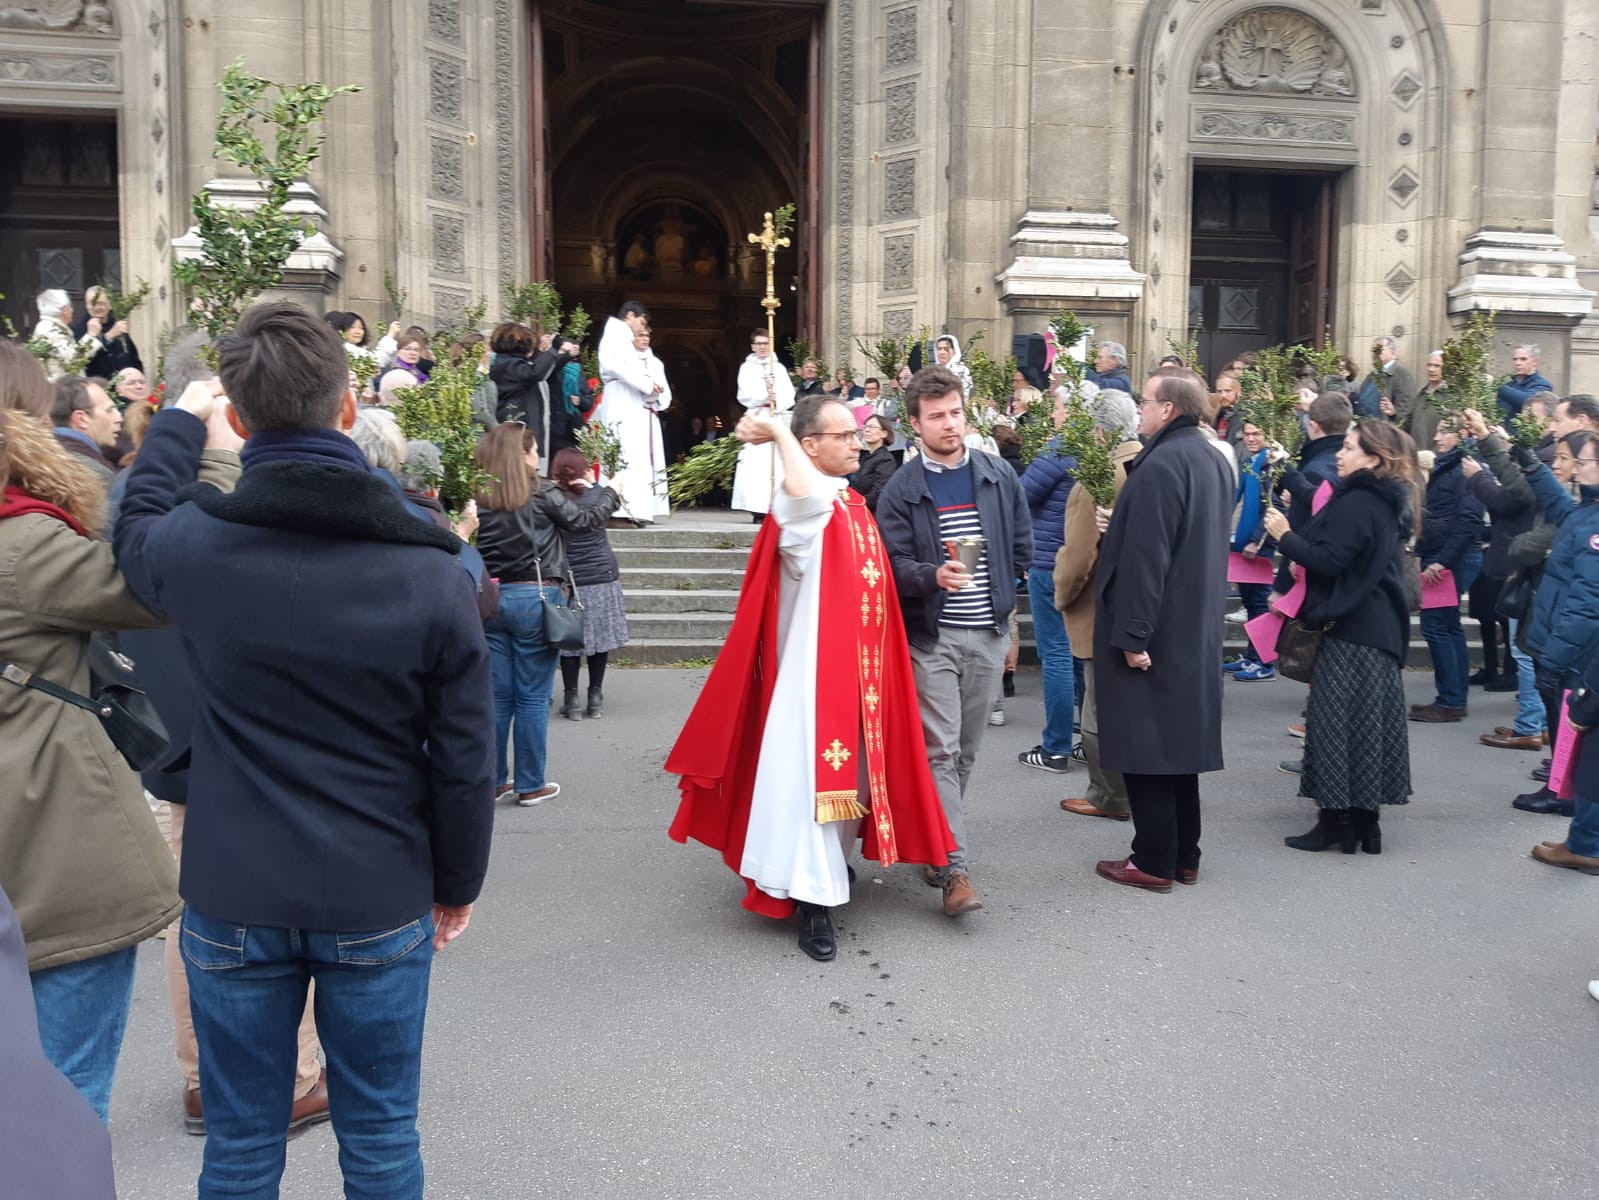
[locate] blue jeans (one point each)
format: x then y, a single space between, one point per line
1583 836
247 987
522 665
1529 704
83 1012
1446 640
1055 654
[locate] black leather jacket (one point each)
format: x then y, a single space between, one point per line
525 545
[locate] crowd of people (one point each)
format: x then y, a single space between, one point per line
326 651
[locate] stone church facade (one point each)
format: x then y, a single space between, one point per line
1250 172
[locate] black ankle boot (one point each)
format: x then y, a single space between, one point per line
596 706
1367 829
816 936
569 708
1333 828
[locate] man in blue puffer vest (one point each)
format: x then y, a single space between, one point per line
1047 483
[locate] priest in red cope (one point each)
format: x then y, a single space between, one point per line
807 734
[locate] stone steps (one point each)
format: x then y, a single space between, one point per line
682 582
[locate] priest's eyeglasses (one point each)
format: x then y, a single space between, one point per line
857 435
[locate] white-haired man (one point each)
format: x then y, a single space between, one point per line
55 330
1116 424
1524 379
1110 367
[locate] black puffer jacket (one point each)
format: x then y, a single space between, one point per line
1451 529
588 551
525 545
876 469
520 399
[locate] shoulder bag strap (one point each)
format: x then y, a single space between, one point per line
12 673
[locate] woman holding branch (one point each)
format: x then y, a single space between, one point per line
1357 750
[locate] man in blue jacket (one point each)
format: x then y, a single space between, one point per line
1047 483
341 780
956 622
1524 379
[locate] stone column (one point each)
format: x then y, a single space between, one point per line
1515 263
1066 249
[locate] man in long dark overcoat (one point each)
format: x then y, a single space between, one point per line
1162 586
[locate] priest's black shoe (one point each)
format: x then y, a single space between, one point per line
816 932
1543 801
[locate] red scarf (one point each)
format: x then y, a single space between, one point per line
17 503
864 687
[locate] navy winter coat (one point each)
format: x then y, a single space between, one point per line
1451 527
1563 628
908 522
1518 389
1318 464
1048 482
342 755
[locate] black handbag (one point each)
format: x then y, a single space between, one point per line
563 623
1515 598
1298 645
125 712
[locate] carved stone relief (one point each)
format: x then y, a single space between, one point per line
899 194
899 262
63 16
79 70
506 132
449 244
1274 52
444 21
448 181
844 192
449 306
1274 127
444 88
900 108
901 49
897 321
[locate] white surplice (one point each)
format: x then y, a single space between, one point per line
786 852
760 470
629 402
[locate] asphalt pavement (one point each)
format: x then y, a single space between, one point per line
1298 1025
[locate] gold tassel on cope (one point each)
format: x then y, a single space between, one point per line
839 806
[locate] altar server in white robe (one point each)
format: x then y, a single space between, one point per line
764 387
634 392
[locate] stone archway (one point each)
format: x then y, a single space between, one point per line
1315 86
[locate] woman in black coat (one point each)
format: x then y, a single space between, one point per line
878 464
1357 749
521 374
1161 586
1451 540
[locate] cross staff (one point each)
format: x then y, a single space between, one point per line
768 241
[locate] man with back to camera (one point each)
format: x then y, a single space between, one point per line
341 778
956 622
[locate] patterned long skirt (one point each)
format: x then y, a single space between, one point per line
1357 740
604 619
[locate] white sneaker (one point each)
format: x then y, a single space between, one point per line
997 717
1593 988
1238 616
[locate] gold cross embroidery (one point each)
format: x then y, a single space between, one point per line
835 755
872 698
866 607
871 573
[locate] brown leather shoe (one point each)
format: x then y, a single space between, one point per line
1081 806
504 790
1559 856
311 1108
1297 729
930 877
1436 714
959 897
193 1114
1188 875
1512 740
1121 870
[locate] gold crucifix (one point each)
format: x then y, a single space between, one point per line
768 240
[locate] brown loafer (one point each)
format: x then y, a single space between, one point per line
1121 870
311 1108
1512 741
959 896
1559 856
1081 806
1190 876
1436 714
193 1114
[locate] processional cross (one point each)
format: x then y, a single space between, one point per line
768 241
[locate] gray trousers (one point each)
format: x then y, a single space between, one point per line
1106 789
956 683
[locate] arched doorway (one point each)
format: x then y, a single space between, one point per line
667 138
